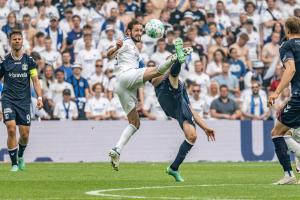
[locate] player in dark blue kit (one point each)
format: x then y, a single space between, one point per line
173 98
17 68
289 117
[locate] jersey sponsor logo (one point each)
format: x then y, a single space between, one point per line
7 110
287 109
18 75
24 67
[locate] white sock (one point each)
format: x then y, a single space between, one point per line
289 173
293 146
125 136
164 67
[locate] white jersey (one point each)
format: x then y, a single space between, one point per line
128 57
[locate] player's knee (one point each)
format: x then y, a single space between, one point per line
192 138
11 131
276 132
135 123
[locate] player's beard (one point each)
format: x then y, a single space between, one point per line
136 38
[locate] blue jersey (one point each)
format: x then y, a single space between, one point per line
174 102
16 73
290 50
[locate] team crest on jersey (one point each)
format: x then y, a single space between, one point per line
24 67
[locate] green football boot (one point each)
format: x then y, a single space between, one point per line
21 164
175 174
179 50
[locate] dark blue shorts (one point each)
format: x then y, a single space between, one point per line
290 113
185 114
16 111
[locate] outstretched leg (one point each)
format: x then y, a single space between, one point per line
185 147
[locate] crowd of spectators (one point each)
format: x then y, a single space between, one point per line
235 64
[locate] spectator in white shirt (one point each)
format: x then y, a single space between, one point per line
152 109
98 107
96 19
56 89
56 34
108 41
117 111
221 17
98 76
66 109
213 92
79 44
30 9
82 11
160 54
4 11
198 102
50 9
199 77
271 16
66 23
255 107
87 57
50 55
39 42
42 22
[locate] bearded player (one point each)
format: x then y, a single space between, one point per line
131 75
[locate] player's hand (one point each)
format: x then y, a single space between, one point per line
39 104
272 98
119 43
210 134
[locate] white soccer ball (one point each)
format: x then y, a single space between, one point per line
155 28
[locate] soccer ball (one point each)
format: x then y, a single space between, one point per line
155 28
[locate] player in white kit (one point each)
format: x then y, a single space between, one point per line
131 74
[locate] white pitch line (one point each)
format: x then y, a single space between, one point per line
102 192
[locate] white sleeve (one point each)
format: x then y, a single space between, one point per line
87 107
112 106
75 111
108 106
72 90
147 104
56 111
245 106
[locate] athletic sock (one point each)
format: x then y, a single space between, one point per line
13 155
125 136
184 149
21 150
175 69
281 150
164 67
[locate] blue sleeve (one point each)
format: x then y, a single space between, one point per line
122 27
69 80
86 84
243 69
185 95
103 26
2 70
32 63
286 52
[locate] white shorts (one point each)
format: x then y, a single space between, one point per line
127 84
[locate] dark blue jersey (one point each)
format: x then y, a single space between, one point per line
16 73
172 100
290 50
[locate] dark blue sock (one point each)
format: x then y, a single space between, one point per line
21 150
13 156
175 69
183 151
281 150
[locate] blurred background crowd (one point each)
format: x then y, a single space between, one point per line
234 67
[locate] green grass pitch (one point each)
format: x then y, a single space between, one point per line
203 181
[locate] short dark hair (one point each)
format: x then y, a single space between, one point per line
35 55
15 32
87 27
133 23
59 70
65 51
161 40
223 86
26 16
76 16
39 34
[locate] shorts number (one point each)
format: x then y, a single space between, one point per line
28 119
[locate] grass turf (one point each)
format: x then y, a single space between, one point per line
46 181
